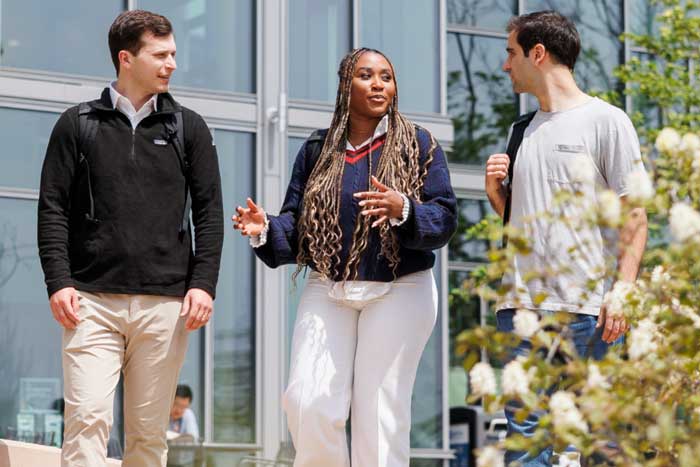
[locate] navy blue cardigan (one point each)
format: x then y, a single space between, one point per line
429 226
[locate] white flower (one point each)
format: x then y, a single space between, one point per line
659 276
685 222
569 459
690 142
595 379
686 311
641 339
515 380
639 185
609 207
696 159
616 299
668 140
525 323
582 170
482 379
565 414
490 456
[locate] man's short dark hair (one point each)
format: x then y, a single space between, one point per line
128 28
554 31
183 391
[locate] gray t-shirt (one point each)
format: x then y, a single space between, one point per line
555 147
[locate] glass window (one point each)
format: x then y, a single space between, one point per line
25 135
411 40
192 374
31 381
479 97
319 37
599 23
69 36
469 213
642 17
426 462
426 406
215 42
234 316
466 309
486 14
651 112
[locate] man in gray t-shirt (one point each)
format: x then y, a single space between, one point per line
574 143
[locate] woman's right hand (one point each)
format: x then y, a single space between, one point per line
251 220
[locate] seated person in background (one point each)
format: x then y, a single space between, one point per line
182 418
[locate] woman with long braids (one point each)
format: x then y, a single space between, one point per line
368 201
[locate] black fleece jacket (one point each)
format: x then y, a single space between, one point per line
134 244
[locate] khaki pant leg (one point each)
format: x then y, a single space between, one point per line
92 359
155 349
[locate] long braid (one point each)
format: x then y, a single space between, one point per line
399 167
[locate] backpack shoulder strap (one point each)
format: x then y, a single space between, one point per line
516 138
88 121
175 128
314 145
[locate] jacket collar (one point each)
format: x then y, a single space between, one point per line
165 103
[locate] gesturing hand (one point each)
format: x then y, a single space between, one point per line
385 203
64 307
251 220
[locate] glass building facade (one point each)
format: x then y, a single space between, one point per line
263 75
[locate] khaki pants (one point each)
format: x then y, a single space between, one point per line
142 336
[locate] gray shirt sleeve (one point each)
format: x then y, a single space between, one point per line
619 152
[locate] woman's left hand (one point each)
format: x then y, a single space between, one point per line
385 203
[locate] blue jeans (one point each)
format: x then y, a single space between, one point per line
588 343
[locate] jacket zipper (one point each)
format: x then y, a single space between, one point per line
133 142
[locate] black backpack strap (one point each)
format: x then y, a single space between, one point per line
314 146
88 121
516 138
176 135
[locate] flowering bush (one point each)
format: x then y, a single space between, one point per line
640 405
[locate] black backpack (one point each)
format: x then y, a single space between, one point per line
89 121
516 138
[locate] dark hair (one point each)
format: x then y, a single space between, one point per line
128 29
554 31
183 390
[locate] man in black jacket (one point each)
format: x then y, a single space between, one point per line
116 247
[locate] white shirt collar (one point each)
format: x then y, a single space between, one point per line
123 104
378 131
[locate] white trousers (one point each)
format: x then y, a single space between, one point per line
359 356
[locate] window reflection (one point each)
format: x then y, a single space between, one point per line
479 97
69 36
642 17
215 42
411 41
426 405
486 14
31 381
24 135
234 319
319 36
469 213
